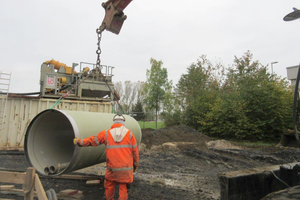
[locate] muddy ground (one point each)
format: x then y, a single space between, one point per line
175 163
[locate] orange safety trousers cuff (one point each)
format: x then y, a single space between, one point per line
110 190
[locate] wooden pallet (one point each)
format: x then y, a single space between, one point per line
30 181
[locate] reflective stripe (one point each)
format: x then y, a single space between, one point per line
130 139
136 163
106 135
96 140
118 146
134 146
81 143
119 169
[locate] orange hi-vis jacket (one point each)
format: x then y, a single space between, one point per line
121 156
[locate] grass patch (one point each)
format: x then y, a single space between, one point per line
256 144
145 125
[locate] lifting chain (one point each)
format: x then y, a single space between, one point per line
98 51
97 69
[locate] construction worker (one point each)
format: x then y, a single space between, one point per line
122 156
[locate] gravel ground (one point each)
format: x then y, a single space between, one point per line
175 163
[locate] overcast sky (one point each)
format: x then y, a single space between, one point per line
175 32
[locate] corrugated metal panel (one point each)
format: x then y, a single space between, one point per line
21 110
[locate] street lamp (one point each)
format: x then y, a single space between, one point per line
272 65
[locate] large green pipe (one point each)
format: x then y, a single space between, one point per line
49 139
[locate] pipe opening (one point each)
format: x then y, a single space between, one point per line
49 141
53 170
47 170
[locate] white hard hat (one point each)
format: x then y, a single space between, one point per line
119 117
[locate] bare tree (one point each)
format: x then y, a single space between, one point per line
130 93
118 86
140 94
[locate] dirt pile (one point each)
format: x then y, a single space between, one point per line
177 135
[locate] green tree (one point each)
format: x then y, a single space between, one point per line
156 86
253 104
246 102
196 91
138 111
171 114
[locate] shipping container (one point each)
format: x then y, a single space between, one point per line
20 110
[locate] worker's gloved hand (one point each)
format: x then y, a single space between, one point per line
135 168
75 140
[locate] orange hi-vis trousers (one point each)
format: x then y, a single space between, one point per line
110 190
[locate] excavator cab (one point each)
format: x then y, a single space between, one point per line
114 16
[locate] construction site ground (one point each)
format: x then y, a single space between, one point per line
175 163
